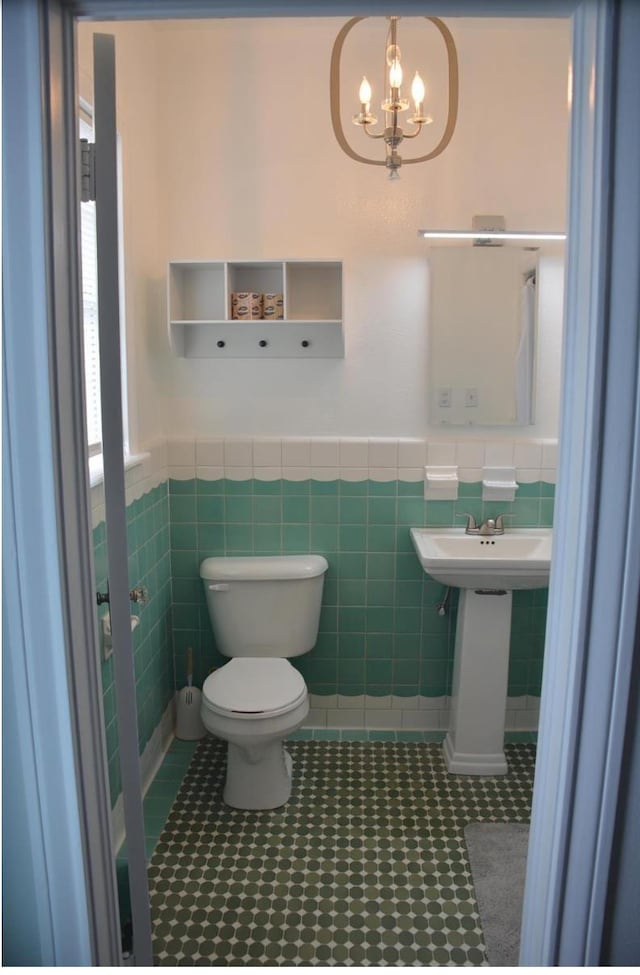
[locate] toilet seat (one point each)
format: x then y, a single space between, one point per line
254 687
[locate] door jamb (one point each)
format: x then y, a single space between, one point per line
543 939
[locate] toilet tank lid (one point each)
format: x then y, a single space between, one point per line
253 568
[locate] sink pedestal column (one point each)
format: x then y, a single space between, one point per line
475 741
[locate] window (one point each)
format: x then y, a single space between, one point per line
89 261
90 313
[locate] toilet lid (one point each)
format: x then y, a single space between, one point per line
254 686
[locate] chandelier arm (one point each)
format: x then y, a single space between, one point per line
373 135
334 83
412 135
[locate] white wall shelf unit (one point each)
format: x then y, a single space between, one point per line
199 304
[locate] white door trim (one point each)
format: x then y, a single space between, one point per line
591 628
592 597
58 867
124 677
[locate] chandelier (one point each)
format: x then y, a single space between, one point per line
393 104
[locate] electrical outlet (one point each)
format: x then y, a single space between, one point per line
444 397
471 397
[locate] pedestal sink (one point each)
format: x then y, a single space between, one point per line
487 568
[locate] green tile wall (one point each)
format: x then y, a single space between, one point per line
150 565
380 632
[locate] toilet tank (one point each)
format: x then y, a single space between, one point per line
264 606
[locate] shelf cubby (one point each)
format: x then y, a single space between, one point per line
196 291
314 290
199 303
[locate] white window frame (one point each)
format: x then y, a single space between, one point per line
85 119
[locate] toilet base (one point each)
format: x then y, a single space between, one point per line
258 777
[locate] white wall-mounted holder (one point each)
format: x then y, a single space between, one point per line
441 483
201 325
499 483
105 630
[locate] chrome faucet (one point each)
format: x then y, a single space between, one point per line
489 527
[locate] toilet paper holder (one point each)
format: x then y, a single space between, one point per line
105 629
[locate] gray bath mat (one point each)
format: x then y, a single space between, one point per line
498 856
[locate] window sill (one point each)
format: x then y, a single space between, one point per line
96 470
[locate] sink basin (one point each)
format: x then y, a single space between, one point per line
519 559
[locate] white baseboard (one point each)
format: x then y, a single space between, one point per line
392 713
150 762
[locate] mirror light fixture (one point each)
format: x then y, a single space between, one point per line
393 103
490 232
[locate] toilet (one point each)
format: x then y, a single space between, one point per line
263 609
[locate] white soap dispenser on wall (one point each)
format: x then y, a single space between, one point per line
499 484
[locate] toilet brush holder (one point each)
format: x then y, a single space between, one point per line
189 726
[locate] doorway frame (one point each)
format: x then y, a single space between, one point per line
595 574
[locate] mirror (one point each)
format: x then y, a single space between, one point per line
482 334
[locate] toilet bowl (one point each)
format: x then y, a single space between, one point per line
253 703
263 609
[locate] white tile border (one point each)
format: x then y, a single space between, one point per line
181 453
383 453
393 713
528 455
296 473
296 453
238 453
470 454
345 718
210 453
267 453
210 473
411 475
441 454
357 458
150 761
144 471
499 453
323 701
324 452
325 473
382 474
378 719
348 459
353 452
181 473
412 453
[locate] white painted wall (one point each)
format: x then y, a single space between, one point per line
143 220
244 165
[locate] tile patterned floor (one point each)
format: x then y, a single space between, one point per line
366 865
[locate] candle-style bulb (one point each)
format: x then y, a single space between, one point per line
395 73
417 90
365 92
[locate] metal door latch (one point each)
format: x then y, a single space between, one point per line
138 595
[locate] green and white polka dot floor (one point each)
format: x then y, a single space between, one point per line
366 865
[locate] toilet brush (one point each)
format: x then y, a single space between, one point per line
189 726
